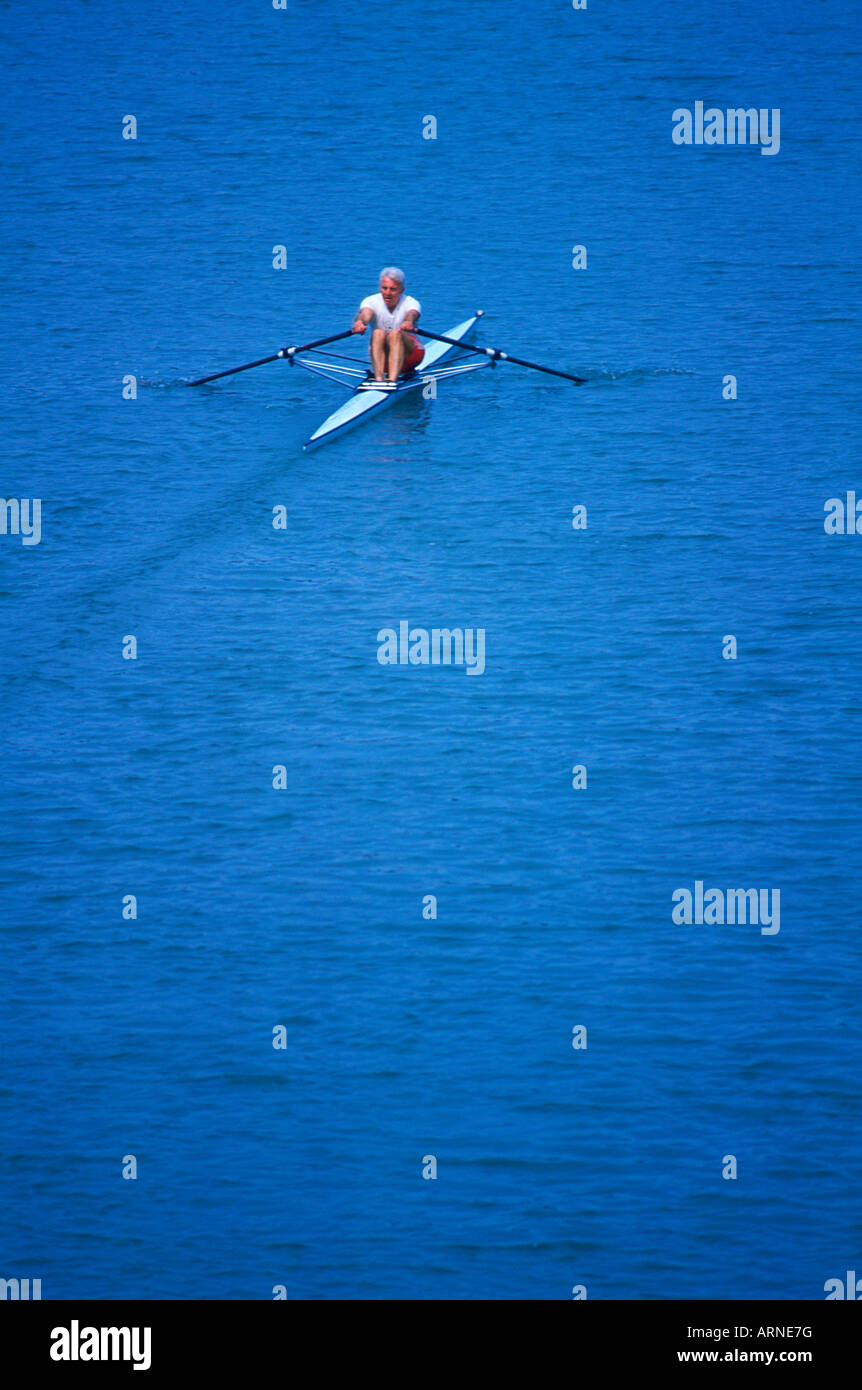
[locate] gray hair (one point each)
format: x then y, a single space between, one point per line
391 272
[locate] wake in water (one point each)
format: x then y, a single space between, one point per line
606 375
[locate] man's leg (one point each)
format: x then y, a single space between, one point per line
415 355
378 353
399 346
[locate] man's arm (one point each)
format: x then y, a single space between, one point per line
411 318
362 320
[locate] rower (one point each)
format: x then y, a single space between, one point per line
392 314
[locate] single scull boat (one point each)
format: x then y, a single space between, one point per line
365 402
437 364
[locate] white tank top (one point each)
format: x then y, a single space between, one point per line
389 318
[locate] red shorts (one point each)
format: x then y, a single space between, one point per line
414 357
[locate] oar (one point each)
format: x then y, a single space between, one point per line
283 352
496 355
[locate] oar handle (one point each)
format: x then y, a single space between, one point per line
306 347
497 355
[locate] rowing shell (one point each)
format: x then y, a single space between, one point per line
364 403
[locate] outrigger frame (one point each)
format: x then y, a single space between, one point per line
365 402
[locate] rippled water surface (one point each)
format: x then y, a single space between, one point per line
407 1036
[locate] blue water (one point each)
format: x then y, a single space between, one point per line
256 647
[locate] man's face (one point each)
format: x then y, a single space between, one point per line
391 291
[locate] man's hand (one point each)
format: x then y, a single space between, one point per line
359 326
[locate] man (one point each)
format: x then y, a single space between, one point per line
392 315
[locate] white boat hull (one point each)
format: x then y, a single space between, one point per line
364 403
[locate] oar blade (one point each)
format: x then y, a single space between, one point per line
499 356
282 352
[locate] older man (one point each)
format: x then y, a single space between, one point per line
392 314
